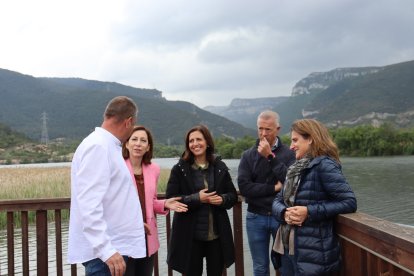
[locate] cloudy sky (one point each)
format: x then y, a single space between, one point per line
207 52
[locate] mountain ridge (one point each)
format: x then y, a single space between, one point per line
346 97
75 106
338 97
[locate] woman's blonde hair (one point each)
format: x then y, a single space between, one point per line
322 142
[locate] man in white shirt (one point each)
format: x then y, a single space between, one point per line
106 224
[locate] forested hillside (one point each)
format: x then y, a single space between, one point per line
75 106
10 138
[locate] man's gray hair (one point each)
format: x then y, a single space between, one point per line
269 114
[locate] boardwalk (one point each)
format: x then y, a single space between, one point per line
370 246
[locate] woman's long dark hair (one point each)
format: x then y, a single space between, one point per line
188 155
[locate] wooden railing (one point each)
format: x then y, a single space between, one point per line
41 207
370 246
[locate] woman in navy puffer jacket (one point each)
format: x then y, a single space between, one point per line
314 192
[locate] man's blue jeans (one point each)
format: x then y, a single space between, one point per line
259 230
96 267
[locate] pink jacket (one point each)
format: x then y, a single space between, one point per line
152 204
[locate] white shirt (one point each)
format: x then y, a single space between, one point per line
105 212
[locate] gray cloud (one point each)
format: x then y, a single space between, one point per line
210 52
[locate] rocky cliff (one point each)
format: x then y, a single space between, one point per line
245 111
339 97
319 81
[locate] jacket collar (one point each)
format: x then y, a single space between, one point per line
274 147
129 165
218 163
317 160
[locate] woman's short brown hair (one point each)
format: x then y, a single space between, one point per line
146 159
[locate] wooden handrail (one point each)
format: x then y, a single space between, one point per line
35 204
370 246
373 246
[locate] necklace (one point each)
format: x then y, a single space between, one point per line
201 165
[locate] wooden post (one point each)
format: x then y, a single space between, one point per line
25 242
10 242
41 238
238 237
58 237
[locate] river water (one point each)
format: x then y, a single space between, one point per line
384 187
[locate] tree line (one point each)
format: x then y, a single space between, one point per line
359 141
372 141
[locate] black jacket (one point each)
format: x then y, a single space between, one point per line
257 177
184 224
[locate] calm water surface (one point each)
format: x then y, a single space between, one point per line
384 187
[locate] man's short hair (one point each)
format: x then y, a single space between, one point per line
269 114
121 108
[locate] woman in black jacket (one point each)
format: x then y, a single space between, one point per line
205 186
314 192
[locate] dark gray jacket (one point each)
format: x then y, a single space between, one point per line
257 177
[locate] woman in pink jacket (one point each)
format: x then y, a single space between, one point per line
137 152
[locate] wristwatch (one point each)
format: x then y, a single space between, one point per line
270 156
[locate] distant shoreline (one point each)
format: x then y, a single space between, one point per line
36 165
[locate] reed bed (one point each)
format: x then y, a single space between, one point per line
25 183
163 180
29 183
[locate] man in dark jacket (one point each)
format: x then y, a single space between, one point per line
262 170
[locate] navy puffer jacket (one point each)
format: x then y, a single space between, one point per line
326 193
